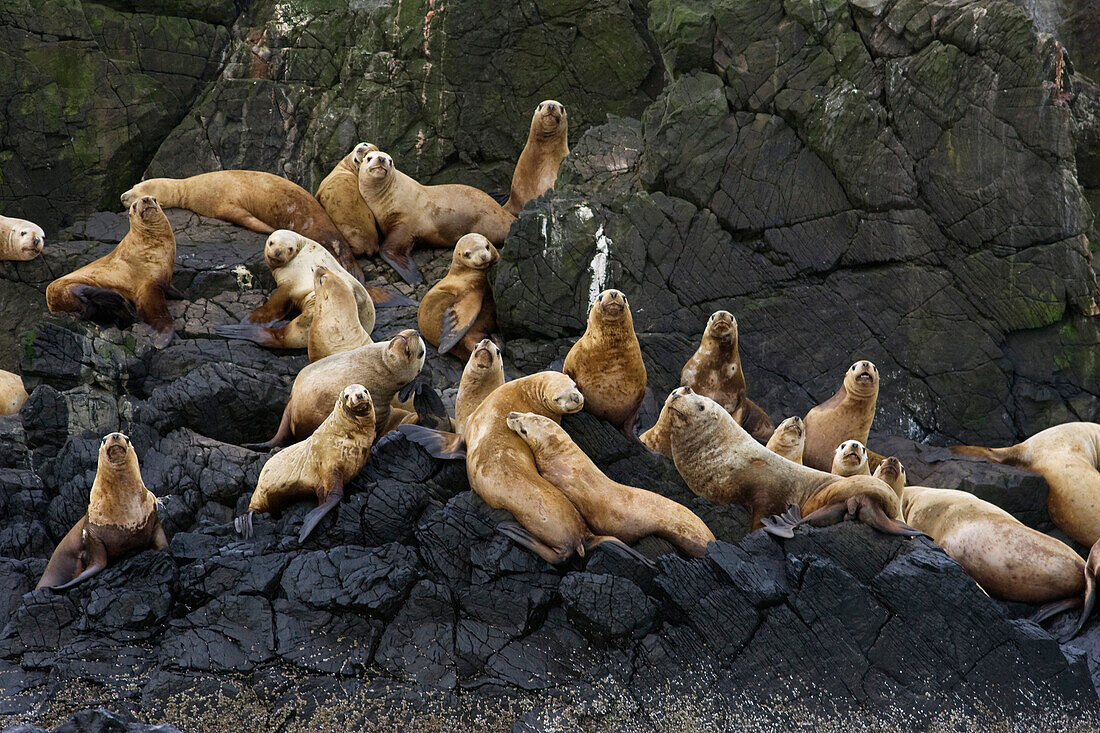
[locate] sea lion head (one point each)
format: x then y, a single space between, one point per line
25 241
475 251
360 152
849 458
534 429
722 326
355 401
117 453
129 197
685 407
282 246
550 118
610 308
486 356
559 393
892 473
862 379
405 353
145 209
790 433
376 166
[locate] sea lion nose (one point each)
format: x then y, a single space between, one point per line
147 199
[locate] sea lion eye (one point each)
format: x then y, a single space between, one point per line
523 430
700 408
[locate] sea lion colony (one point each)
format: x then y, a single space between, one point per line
814 470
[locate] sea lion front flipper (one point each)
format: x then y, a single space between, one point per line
384 298
430 409
620 547
783 525
282 436
103 306
523 537
1049 610
1091 567
396 249
293 335
243 524
278 305
873 515
335 494
438 443
458 318
96 562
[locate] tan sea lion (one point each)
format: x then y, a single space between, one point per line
850 459
408 212
20 239
458 311
658 438
547 145
12 393
502 470
725 465
847 415
383 368
336 325
319 466
608 507
606 363
789 439
121 520
484 372
715 370
339 194
129 282
262 202
891 472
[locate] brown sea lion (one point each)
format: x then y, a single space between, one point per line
262 202
547 145
12 393
725 465
609 508
121 520
788 439
606 363
715 370
319 466
336 325
890 471
20 239
408 213
847 415
502 470
484 372
339 194
383 368
128 283
658 438
850 459
458 311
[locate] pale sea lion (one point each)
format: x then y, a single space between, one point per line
537 167
789 439
128 283
408 212
714 370
319 466
339 194
606 363
850 459
458 311
484 372
609 508
502 470
20 239
121 520
336 325
725 465
847 415
262 202
892 473
12 393
383 368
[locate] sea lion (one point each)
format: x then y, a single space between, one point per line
484 372
408 212
262 202
458 311
609 508
537 167
657 438
847 415
20 239
12 393
502 470
891 472
339 194
121 520
606 363
383 368
850 459
319 466
725 465
129 282
714 370
788 439
1067 456
336 325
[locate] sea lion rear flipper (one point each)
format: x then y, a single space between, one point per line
873 515
314 517
438 443
620 547
243 524
282 436
457 320
96 563
523 537
293 335
1049 610
396 249
783 525
278 305
430 409
103 306
1090 591
384 298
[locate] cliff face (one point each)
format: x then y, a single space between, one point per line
899 180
